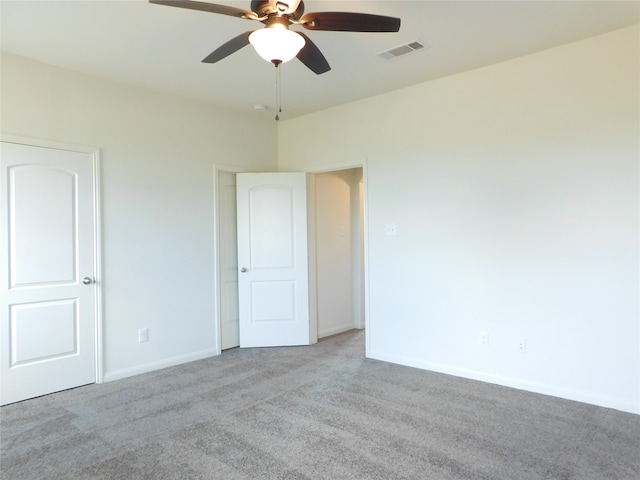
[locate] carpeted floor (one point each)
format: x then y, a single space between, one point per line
319 412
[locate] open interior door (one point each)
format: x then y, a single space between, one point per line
47 293
272 259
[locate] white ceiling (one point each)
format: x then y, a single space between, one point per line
161 47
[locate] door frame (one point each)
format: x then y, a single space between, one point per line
97 232
311 216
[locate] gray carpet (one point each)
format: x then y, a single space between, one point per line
319 412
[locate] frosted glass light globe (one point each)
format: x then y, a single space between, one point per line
276 43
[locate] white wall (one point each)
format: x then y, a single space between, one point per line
157 155
515 193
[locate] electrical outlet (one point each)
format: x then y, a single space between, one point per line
522 346
484 339
143 335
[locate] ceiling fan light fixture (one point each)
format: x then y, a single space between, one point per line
276 43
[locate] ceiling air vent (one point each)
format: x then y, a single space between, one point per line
403 49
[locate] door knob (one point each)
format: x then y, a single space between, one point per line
87 280
243 269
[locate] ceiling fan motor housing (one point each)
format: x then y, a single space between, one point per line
266 7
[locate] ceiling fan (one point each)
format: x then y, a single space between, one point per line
276 43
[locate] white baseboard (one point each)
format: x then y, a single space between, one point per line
152 366
335 330
520 384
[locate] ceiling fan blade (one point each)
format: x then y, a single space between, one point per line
349 22
228 48
312 57
207 7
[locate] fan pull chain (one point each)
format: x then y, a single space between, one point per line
278 92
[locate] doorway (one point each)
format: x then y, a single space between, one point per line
228 260
336 219
339 233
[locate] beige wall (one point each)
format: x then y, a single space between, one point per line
514 189
157 154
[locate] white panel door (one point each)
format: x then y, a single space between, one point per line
272 258
47 317
229 327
